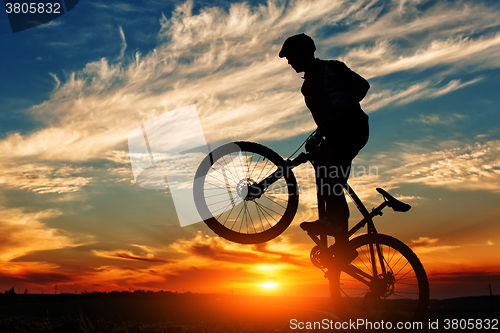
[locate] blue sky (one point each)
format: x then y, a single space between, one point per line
73 89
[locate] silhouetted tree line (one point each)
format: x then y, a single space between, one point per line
137 294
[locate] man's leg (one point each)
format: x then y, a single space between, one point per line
330 181
332 177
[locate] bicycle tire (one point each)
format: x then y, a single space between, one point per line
406 299
224 174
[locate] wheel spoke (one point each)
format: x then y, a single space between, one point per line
224 176
274 201
263 213
403 295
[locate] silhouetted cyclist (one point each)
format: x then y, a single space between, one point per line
332 93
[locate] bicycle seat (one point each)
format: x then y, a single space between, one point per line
395 204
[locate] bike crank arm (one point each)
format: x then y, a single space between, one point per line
358 274
354 272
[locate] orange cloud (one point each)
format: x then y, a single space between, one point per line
43 177
426 245
130 256
22 233
219 249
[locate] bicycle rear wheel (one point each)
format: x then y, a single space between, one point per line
220 193
401 294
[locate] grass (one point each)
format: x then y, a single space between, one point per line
185 313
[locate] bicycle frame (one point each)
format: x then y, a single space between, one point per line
383 273
367 220
257 190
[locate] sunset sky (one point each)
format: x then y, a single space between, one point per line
72 90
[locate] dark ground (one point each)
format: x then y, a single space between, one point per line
182 313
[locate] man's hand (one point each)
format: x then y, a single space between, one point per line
314 141
320 131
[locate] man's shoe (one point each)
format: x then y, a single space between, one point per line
340 259
343 254
318 227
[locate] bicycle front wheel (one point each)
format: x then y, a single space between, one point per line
221 187
398 291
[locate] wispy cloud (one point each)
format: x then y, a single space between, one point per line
122 254
25 232
380 98
196 265
434 119
407 37
451 164
426 245
474 166
35 274
43 178
118 7
226 63
124 43
465 50
219 249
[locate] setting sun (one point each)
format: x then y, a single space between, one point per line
268 285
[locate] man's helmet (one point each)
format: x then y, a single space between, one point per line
297 43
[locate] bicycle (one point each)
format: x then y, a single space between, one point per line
235 193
